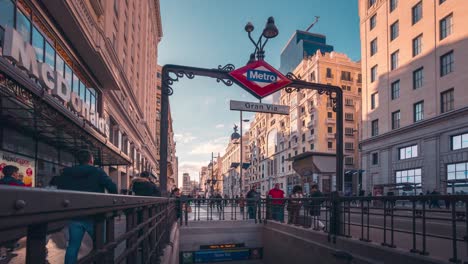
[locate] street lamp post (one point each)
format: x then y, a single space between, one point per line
241 150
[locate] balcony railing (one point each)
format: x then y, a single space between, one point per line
330 121
310 137
35 213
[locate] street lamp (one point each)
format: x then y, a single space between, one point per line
270 31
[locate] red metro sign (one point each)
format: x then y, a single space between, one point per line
260 78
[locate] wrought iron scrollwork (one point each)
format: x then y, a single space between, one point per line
226 68
173 76
291 76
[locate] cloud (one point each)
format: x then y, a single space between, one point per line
185 138
218 126
217 145
192 168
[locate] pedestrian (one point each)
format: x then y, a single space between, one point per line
241 204
434 201
253 197
175 193
143 186
86 178
277 196
219 202
447 201
11 176
315 205
294 205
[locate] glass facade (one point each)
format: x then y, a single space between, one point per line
408 152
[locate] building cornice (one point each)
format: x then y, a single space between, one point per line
425 123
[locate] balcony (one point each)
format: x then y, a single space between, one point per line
311 109
330 121
330 135
294 144
311 123
310 137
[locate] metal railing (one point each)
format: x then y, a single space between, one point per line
35 213
423 224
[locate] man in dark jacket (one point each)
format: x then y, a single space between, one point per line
253 198
10 176
144 187
315 205
85 178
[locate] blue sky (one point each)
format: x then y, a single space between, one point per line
208 33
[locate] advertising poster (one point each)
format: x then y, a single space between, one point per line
26 166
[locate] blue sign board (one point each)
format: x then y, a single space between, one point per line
261 76
220 255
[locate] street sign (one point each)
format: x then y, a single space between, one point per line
259 107
260 78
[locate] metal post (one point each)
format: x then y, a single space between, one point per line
339 141
241 161
164 131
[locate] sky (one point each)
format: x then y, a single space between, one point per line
208 33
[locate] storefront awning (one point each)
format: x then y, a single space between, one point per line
25 107
308 163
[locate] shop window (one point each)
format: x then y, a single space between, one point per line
38 44
23 25
17 142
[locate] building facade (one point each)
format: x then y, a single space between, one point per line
54 103
310 127
231 166
415 122
186 184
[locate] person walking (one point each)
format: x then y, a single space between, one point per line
175 193
315 205
85 178
143 186
277 196
242 204
253 197
294 205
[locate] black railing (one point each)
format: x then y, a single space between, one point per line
35 214
429 224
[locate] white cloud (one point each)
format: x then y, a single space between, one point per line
185 138
192 168
218 126
217 145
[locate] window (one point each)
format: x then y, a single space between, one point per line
303 137
329 115
460 141
446 26
329 73
412 176
408 152
349 131
349 161
312 76
374 100
373 73
441 2
417 13
359 78
393 5
349 146
457 171
373 47
375 158
330 144
311 146
446 101
23 26
394 60
417 45
349 116
345 76
446 63
396 119
372 2
418 78
349 102
418 111
395 86
116 7
38 44
375 128
373 22
49 55
330 129
7 11
394 30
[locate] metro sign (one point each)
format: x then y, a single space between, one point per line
260 79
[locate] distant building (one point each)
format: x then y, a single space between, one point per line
187 185
415 97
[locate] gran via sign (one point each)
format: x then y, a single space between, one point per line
259 107
24 56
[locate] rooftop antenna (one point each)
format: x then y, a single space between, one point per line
313 23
